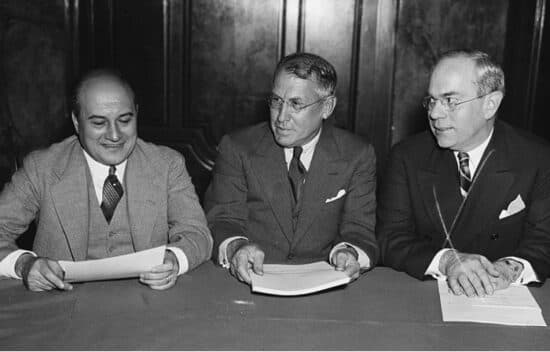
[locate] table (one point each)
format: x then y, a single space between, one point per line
209 309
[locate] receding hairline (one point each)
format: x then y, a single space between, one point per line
99 76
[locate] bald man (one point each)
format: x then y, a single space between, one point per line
101 193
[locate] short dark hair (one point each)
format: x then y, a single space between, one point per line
490 76
94 74
311 67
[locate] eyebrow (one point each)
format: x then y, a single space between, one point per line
129 113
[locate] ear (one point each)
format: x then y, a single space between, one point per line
75 122
328 107
492 102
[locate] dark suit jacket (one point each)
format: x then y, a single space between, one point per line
51 188
250 195
409 230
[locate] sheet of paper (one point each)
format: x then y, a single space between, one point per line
512 306
294 280
122 266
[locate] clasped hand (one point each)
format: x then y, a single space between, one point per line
250 258
475 275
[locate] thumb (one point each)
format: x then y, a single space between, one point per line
340 260
490 267
258 262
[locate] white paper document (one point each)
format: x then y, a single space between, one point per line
122 266
512 306
294 280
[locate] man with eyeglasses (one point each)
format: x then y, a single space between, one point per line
294 190
470 201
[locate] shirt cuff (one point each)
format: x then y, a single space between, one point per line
222 251
183 263
433 268
7 265
528 275
362 257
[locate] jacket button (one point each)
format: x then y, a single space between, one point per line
494 236
290 256
112 234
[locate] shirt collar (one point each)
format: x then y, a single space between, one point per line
476 153
100 171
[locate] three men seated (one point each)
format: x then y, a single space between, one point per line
468 200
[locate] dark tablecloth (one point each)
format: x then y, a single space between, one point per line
209 309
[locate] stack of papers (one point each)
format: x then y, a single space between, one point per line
294 280
122 266
512 306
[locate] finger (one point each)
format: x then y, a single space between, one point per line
165 286
340 261
243 267
489 267
476 284
155 275
157 282
486 282
258 262
167 267
454 286
54 280
36 285
352 270
465 284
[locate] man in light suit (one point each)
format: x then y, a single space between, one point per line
470 200
101 193
295 190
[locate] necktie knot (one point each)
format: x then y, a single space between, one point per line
297 152
465 176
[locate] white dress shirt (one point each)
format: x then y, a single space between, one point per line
528 274
307 155
99 173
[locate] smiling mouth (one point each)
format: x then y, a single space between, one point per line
113 146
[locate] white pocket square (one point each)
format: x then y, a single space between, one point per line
514 207
339 195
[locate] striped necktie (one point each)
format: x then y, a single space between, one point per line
297 174
464 172
112 192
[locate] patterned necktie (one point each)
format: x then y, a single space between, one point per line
112 192
464 172
297 175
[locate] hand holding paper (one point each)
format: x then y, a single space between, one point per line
123 266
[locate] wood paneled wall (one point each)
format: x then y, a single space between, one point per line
202 68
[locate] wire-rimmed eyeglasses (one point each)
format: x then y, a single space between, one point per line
275 102
448 103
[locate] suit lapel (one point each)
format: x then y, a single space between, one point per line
143 192
489 192
270 167
70 199
324 170
441 175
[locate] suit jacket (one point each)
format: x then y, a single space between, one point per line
409 229
51 188
250 195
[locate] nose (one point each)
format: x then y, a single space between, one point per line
438 111
113 133
282 113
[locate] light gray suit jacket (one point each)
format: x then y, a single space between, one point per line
51 188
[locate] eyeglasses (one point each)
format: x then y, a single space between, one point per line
448 103
276 103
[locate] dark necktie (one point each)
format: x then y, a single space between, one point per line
464 172
297 175
112 192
